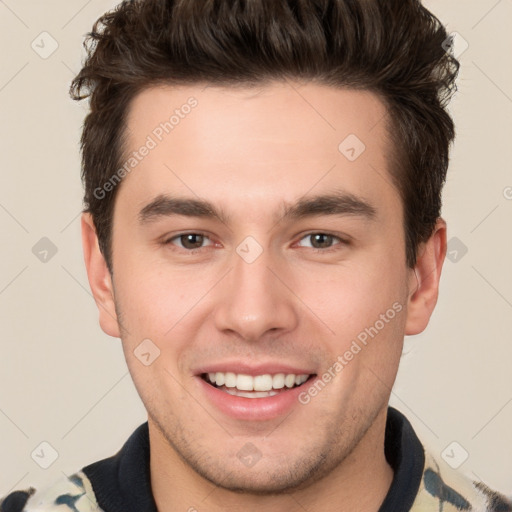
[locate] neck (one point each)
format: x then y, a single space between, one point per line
360 482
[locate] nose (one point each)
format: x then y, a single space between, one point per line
253 301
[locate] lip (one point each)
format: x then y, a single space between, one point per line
253 409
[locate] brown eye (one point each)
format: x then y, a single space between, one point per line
321 240
191 240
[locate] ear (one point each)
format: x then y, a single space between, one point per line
424 280
99 276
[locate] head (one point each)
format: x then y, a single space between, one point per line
317 129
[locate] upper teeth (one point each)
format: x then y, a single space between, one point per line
264 382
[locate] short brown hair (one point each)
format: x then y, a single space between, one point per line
394 48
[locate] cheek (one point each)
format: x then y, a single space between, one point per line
147 295
163 306
366 311
349 299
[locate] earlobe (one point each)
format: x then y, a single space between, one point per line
99 277
424 280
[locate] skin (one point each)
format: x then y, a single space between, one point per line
250 151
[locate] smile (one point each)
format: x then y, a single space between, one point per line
254 386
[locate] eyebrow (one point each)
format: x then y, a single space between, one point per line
332 204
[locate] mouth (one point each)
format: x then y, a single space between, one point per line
255 386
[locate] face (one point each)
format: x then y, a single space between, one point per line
259 243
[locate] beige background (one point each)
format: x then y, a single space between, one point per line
64 382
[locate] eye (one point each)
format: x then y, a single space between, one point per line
189 241
322 241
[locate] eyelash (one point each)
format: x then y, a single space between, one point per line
342 241
333 248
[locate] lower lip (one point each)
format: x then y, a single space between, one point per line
253 409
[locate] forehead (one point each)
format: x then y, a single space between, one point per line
275 141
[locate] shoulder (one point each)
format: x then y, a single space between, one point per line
74 493
443 488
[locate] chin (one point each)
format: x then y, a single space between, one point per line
265 481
